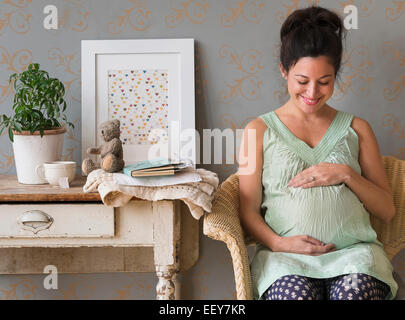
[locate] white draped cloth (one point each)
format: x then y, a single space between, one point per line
196 187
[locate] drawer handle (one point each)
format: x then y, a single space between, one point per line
35 221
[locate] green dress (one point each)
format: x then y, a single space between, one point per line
331 214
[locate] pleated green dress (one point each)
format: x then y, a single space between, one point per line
331 214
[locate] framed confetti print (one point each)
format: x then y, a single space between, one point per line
149 86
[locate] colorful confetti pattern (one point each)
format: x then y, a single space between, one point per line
139 99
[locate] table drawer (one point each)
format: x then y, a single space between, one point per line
56 221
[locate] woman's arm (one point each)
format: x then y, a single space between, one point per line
371 187
250 187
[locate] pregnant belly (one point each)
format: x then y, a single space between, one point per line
331 214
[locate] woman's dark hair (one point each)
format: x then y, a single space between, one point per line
312 32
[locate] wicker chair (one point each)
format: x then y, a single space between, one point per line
223 224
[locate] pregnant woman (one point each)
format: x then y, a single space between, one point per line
319 175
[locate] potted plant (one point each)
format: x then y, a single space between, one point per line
37 127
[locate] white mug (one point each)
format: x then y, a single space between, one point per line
52 171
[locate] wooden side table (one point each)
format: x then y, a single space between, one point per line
46 225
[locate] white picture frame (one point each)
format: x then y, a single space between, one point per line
99 57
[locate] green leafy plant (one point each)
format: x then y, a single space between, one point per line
38 103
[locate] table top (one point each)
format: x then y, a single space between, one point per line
13 191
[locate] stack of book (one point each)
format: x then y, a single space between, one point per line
155 167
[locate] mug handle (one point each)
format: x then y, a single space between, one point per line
39 170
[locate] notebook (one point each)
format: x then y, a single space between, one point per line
155 167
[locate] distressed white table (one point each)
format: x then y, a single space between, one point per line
45 225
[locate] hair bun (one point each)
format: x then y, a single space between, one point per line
327 19
312 17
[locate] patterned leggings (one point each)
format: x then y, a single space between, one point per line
355 286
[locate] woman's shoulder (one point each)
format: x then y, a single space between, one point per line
261 122
257 124
361 126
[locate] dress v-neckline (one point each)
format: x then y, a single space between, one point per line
321 151
287 131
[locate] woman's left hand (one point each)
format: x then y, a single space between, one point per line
322 174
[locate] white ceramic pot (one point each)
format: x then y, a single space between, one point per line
30 150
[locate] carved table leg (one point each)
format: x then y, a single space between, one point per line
166 235
165 289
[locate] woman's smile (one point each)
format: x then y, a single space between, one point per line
310 102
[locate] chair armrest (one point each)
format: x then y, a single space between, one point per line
223 224
392 234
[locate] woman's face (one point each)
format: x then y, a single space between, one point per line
310 83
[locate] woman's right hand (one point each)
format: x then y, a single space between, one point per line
302 245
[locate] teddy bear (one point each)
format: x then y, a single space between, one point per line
111 152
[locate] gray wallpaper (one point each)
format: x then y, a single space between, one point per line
237 79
